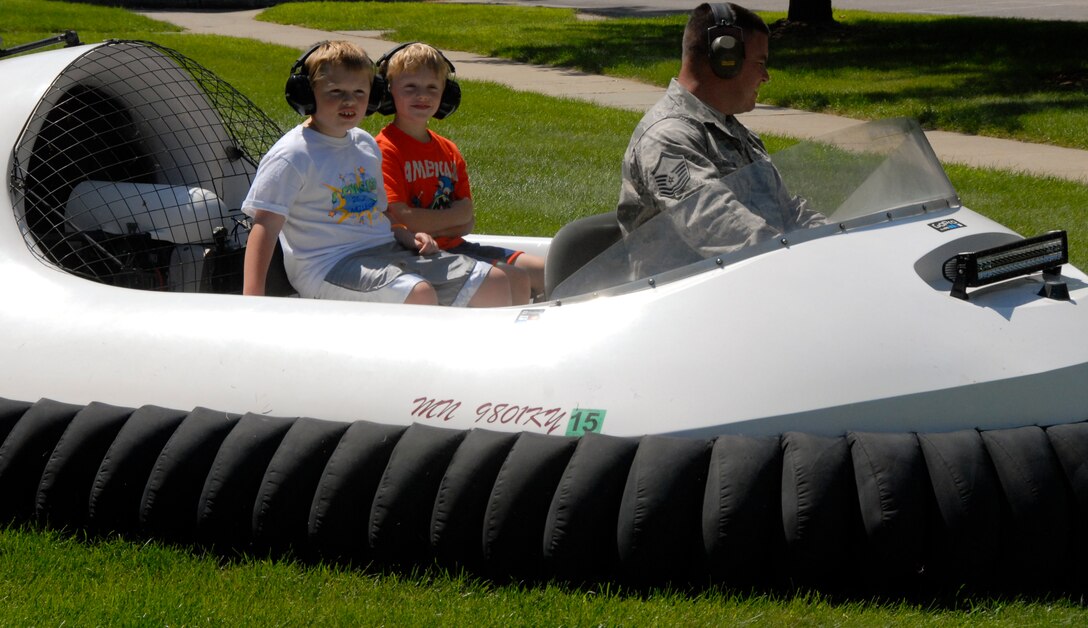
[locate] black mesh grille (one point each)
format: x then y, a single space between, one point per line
132 169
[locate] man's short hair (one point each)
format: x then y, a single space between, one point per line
702 18
337 53
415 57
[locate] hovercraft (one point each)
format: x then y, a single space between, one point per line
887 393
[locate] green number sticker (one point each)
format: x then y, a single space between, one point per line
585 420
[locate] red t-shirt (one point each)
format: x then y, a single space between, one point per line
430 174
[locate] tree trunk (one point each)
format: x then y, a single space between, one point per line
810 11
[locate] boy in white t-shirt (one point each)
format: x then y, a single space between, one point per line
319 190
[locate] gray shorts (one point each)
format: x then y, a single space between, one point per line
387 274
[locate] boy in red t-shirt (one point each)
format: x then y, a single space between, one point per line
424 171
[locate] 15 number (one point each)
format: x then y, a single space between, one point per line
585 420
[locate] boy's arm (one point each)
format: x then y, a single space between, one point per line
259 248
456 220
418 241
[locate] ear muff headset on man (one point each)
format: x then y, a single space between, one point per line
725 43
451 94
300 93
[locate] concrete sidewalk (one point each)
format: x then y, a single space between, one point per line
972 150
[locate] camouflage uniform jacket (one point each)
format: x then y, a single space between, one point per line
678 163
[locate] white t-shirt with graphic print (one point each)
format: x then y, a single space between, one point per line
331 191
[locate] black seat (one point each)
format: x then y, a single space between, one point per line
276 283
576 244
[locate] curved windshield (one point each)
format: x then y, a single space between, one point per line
808 190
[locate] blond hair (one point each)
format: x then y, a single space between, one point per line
415 57
337 53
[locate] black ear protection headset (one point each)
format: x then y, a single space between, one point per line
382 99
725 42
300 92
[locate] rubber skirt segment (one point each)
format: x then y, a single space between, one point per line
10 413
1039 503
820 512
64 492
895 504
281 512
25 452
340 514
172 495
743 536
513 534
1070 444
400 516
580 529
659 529
970 502
457 521
118 488
225 507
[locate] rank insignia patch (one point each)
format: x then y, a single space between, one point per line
671 175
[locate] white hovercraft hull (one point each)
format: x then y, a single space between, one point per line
845 332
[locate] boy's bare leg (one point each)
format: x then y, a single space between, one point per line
520 284
422 294
533 266
494 291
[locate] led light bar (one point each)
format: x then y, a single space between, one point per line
1044 253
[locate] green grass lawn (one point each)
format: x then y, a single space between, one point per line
48 578
536 163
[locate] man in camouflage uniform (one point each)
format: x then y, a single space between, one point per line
684 149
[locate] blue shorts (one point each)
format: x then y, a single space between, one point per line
485 253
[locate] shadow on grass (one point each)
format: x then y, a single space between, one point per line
595 46
1014 54
965 74
973 73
